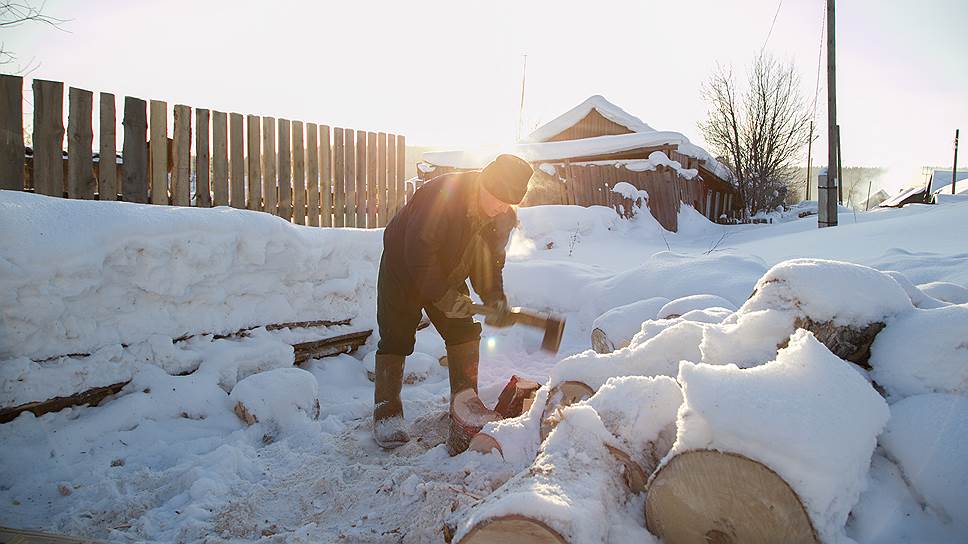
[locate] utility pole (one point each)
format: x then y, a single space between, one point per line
954 168
827 193
809 160
840 171
524 74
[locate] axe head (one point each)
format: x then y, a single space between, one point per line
553 330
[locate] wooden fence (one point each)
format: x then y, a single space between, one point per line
307 173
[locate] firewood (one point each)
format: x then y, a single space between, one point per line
562 395
704 496
513 529
467 416
512 400
485 443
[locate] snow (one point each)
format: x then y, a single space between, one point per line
923 351
928 436
621 323
166 459
283 399
684 305
548 169
945 291
626 190
807 415
596 102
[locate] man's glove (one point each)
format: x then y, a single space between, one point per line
499 314
455 305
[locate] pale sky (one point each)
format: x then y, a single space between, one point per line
449 72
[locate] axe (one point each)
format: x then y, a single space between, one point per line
552 325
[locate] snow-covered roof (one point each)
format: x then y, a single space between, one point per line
940 178
571 117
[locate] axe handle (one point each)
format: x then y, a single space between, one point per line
519 315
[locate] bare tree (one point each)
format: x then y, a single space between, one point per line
760 130
14 14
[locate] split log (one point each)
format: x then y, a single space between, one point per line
467 416
704 496
562 395
516 397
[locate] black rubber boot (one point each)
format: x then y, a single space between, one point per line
462 363
389 428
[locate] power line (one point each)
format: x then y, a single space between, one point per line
770 33
823 26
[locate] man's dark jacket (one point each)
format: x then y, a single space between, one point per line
440 238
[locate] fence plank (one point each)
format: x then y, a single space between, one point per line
372 177
49 137
220 158
339 177
236 161
391 172
349 182
325 178
401 169
11 132
381 182
181 151
134 162
298 174
203 194
80 137
361 179
254 157
285 169
270 192
107 165
312 175
158 151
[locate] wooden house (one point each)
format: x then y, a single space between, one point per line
582 154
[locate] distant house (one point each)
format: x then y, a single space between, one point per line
940 181
582 154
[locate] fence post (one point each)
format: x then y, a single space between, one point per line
325 178
134 156
107 164
298 174
339 177
361 179
349 164
49 137
181 150
401 170
270 193
254 158
312 175
285 169
236 161
381 169
392 194
12 157
372 176
80 137
220 158
158 150
203 195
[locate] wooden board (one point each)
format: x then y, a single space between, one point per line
236 161
345 343
80 137
284 183
134 167
393 196
349 177
91 396
203 172
361 175
339 178
11 132
20 536
512 529
253 200
270 181
181 150
707 496
325 178
372 180
298 174
381 180
48 137
312 175
401 171
158 151
220 159
107 168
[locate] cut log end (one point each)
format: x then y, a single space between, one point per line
562 395
706 496
467 416
485 443
512 529
601 343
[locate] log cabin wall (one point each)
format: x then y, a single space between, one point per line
592 125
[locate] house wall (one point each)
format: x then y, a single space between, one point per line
594 124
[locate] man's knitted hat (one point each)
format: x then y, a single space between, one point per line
507 178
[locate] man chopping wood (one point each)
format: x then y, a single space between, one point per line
454 228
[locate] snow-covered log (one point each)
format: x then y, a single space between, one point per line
807 416
279 399
561 396
615 328
684 305
467 415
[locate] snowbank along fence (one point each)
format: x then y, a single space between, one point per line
307 173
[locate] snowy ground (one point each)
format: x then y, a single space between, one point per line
168 460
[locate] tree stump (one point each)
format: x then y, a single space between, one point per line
704 496
467 416
562 395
